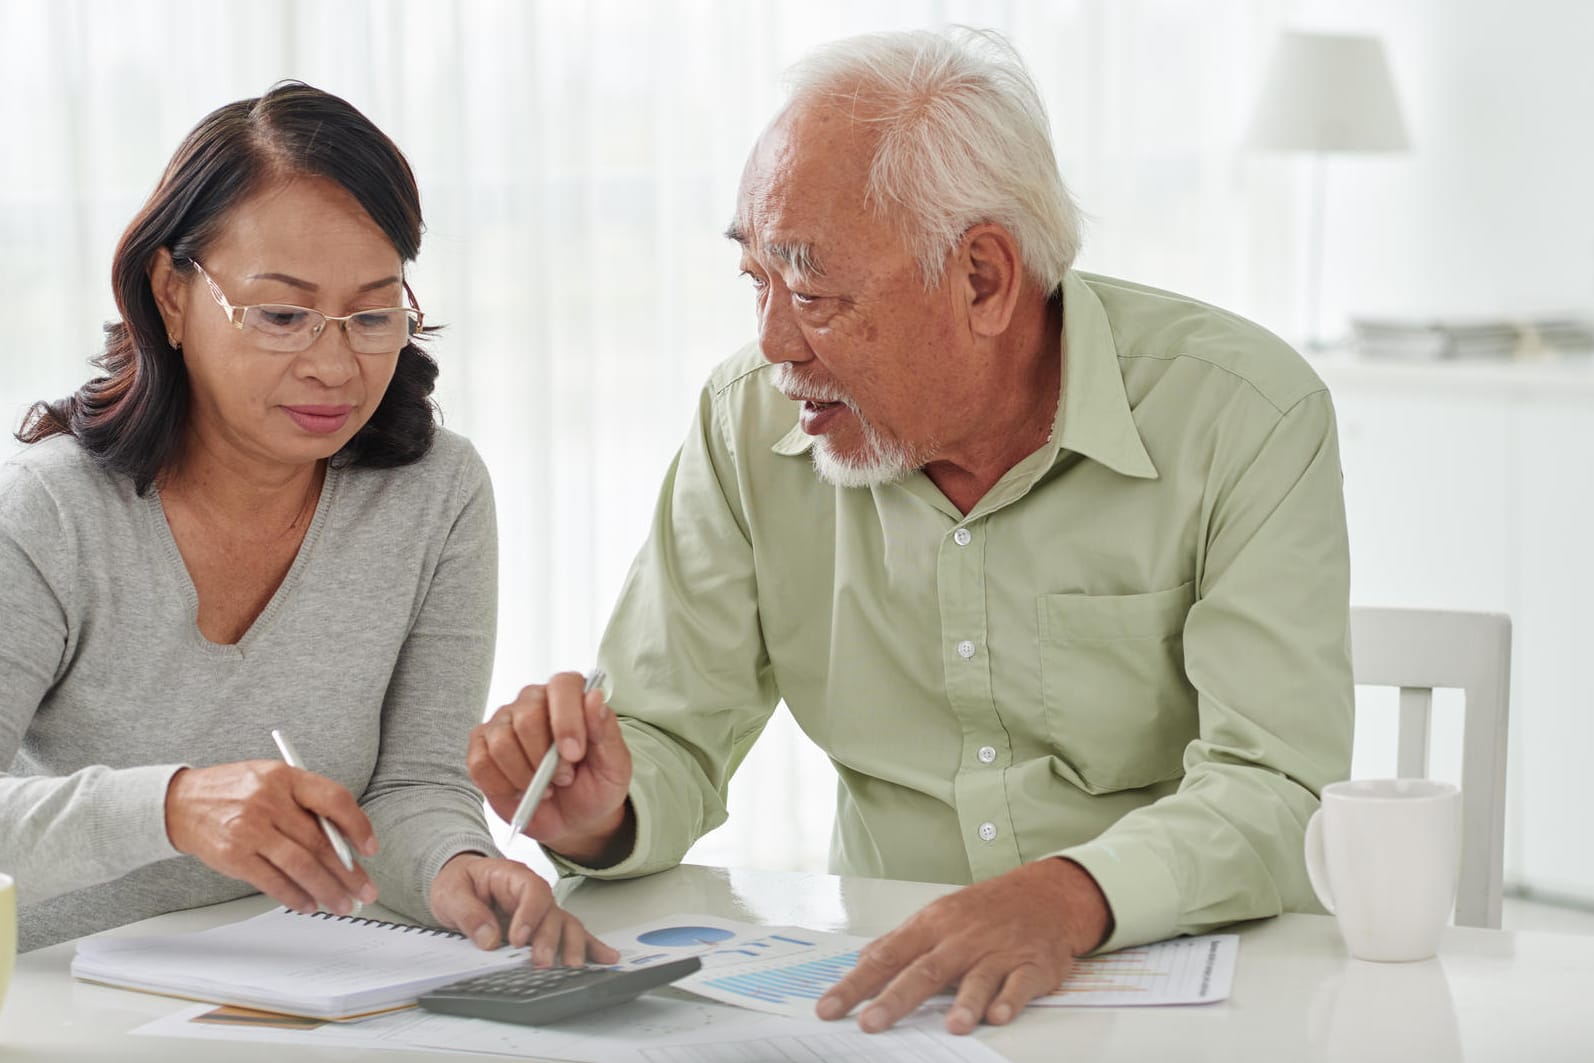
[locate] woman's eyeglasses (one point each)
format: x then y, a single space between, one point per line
288 329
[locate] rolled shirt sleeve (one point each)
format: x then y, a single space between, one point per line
1266 646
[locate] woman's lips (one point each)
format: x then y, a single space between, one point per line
321 420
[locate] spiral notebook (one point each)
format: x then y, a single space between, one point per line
321 966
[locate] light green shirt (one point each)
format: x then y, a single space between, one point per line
1133 652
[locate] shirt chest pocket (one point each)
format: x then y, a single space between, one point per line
1119 709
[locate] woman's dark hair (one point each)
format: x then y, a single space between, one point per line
132 418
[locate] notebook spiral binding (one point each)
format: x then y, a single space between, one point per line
386 924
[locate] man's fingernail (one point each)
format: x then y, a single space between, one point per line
483 936
569 748
961 1017
1001 1013
367 892
829 1008
873 1020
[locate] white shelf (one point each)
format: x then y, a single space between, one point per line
1557 378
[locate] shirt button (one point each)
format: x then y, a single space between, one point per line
965 649
962 537
986 754
988 832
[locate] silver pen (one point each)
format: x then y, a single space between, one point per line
544 773
335 836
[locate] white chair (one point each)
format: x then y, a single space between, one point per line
1418 650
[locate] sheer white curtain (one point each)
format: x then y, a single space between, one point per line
578 163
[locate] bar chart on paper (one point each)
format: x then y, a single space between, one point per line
803 982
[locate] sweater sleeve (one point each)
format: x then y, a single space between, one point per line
68 832
420 799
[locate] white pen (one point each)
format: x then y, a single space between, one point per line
545 770
339 845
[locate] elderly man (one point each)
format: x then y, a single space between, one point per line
1052 566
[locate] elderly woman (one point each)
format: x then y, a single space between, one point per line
251 522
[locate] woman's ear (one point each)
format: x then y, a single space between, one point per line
995 273
170 289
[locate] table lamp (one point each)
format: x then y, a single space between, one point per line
1326 93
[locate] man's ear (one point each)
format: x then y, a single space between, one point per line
994 270
169 287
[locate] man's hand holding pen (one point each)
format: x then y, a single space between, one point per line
586 816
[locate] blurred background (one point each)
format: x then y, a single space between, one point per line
578 162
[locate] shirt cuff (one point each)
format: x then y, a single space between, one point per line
1141 892
668 820
635 863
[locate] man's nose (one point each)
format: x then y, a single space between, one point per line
779 337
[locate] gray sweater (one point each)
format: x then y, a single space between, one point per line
373 656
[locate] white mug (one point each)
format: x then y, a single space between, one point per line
1383 856
8 931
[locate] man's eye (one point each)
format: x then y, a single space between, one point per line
758 282
804 298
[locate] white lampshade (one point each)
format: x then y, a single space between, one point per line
1328 92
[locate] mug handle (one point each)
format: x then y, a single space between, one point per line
1316 862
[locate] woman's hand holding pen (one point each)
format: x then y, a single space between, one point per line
585 814
256 821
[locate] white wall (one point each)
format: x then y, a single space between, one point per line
1493 209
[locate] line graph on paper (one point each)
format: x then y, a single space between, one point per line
1195 970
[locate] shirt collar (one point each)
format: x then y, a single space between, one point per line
1093 415
794 442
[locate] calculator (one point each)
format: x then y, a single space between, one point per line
534 996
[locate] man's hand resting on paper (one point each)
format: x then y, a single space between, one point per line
585 815
1003 942
490 899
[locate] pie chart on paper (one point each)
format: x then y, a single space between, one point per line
679 937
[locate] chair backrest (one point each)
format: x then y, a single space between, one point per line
1418 650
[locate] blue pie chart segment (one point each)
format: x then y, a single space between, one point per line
678 937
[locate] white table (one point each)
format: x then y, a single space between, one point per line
1491 995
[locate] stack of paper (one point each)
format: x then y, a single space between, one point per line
1417 339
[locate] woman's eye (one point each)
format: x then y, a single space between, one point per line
282 316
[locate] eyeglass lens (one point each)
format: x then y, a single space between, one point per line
294 328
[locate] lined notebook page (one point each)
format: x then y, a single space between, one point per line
321 965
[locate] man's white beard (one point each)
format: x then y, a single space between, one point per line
882 461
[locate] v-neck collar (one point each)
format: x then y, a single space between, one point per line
185 582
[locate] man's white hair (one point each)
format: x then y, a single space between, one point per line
963 139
